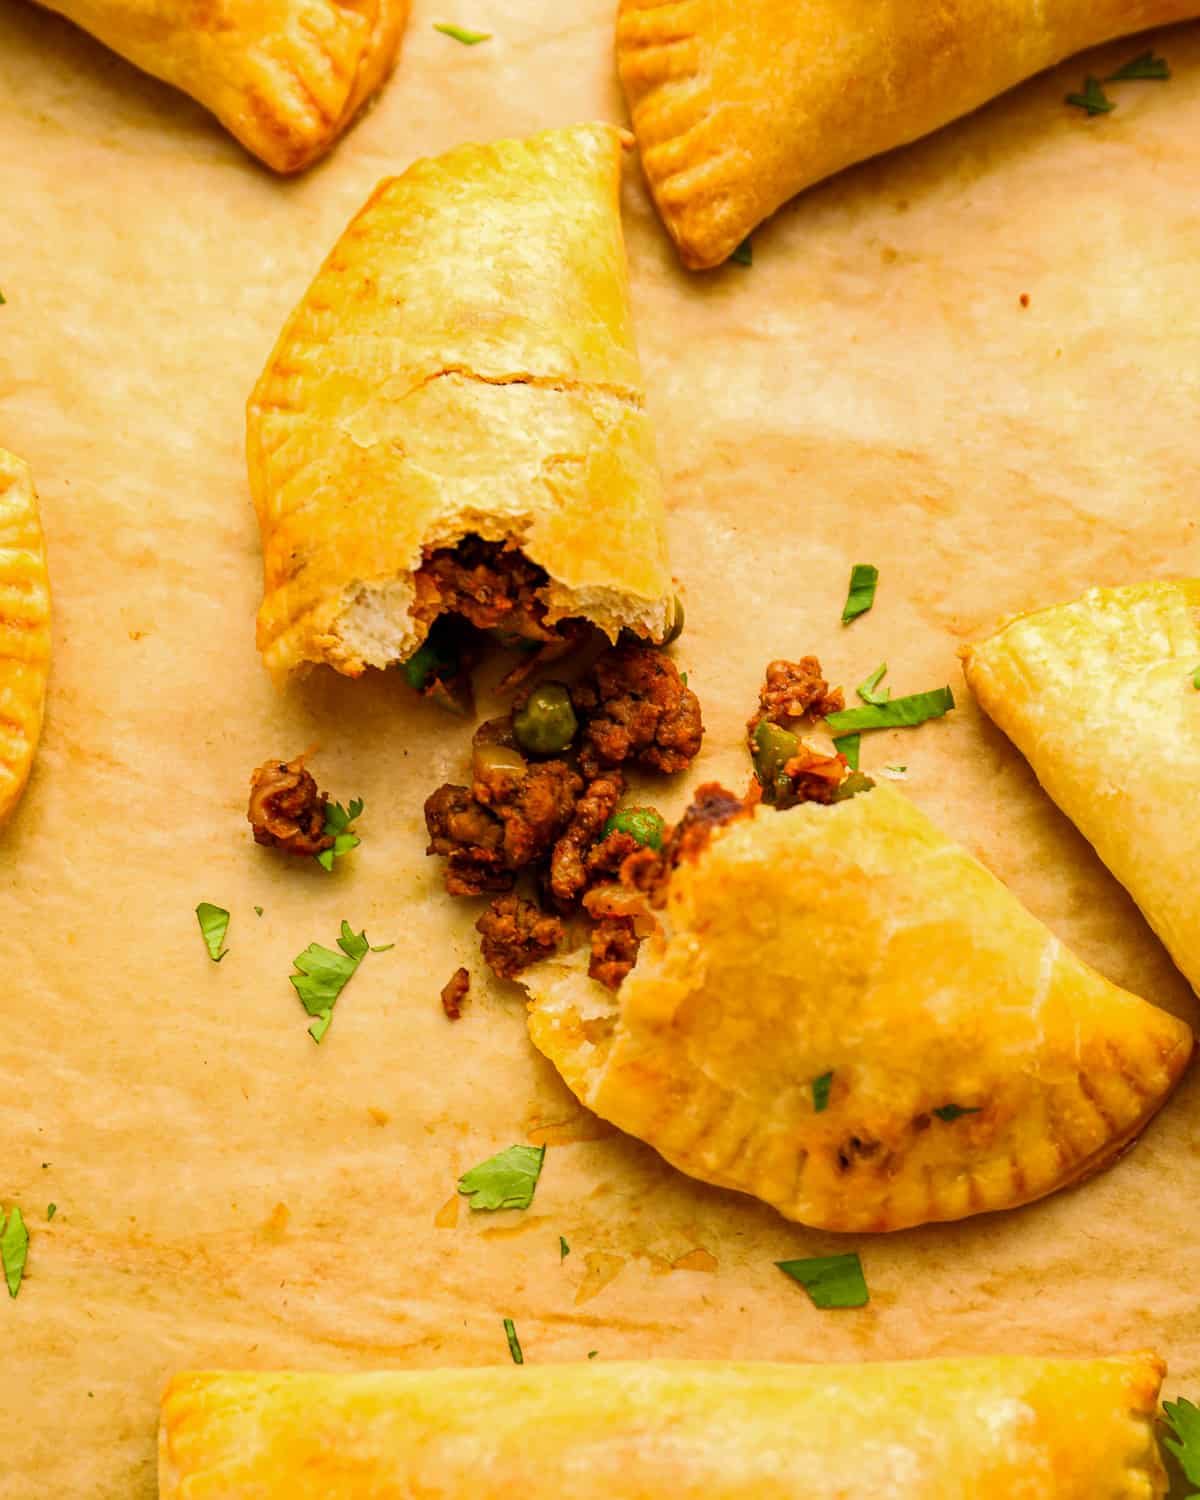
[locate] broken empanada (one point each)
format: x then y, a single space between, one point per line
24 629
965 1429
849 1017
1101 697
286 77
462 375
739 104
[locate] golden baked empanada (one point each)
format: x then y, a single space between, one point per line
968 1429
1100 696
24 629
462 367
739 104
284 76
969 1062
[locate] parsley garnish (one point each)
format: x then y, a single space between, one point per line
849 746
897 713
51 1210
1093 98
337 827
1196 679
3 299
950 1112
514 1343
830 1280
1144 65
592 1353
504 1181
324 974
14 1246
864 578
468 39
744 254
820 1092
867 691
258 911
563 1249
1184 1442
214 924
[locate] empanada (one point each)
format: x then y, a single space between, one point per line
462 367
24 629
739 104
1100 696
971 1062
286 77
969 1429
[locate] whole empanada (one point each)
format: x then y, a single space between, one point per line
969 1062
1100 696
24 629
463 365
968 1429
739 104
284 76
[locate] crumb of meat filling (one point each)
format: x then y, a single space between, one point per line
493 585
812 776
637 708
286 810
455 992
517 933
615 945
471 839
570 864
534 806
794 690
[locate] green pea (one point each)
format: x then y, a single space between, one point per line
675 629
546 724
435 657
643 823
773 748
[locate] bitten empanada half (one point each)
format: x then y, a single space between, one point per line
462 367
969 1062
739 104
1099 695
286 77
970 1429
24 629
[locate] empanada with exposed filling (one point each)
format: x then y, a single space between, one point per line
462 373
1100 696
286 77
740 104
965 1429
972 1063
24 629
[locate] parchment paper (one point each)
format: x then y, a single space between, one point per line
871 389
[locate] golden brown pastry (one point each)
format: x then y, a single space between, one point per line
970 1062
284 76
462 367
739 104
970 1429
1100 696
24 629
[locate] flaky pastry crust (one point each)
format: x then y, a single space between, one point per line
739 104
286 77
973 1063
24 629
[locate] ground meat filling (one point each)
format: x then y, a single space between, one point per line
535 806
471 838
637 708
491 584
794 690
286 810
571 872
517 933
454 993
812 777
615 945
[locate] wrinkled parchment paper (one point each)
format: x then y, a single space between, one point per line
871 389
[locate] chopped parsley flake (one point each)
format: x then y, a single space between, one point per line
1196 679
820 1092
563 1249
1183 1419
14 1247
744 254
214 924
51 1210
324 974
1144 65
830 1280
1093 99
864 578
506 1180
951 1112
258 911
868 691
897 713
849 746
514 1343
467 38
338 820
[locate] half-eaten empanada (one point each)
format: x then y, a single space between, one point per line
947 1429
739 104
846 1015
1101 696
286 77
452 422
24 629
